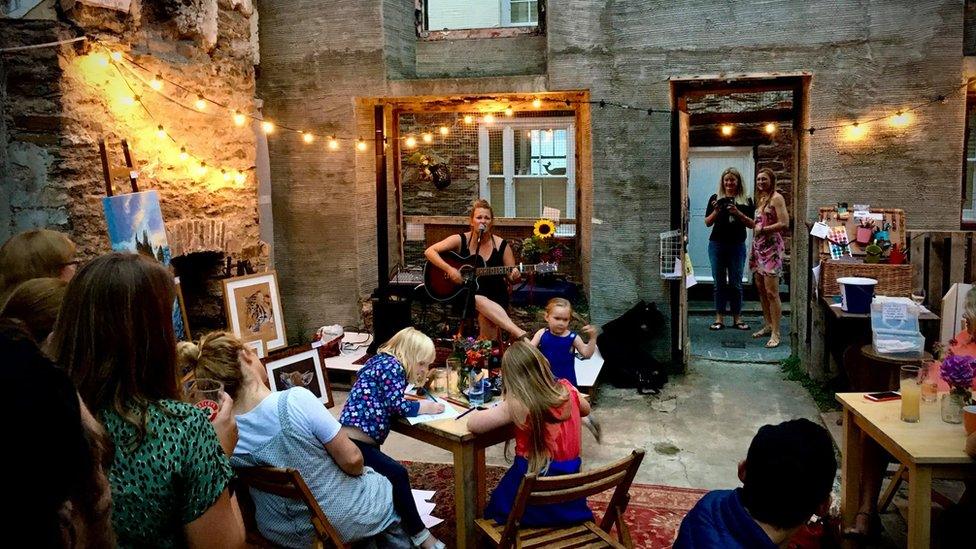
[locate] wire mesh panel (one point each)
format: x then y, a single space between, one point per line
672 267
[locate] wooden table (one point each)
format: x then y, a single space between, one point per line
469 464
928 449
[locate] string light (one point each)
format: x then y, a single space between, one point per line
240 178
202 169
900 119
333 143
726 129
410 142
116 56
127 100
444 131
428 138
156 83
489 118
239 119
267 126
201 103
307 137
100 59
183 154
770 128
225 175
361 144
509 112
160 132
536 103
468 119
855 131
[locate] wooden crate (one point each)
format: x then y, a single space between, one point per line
894 216
893 280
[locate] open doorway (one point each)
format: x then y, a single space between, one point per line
747 124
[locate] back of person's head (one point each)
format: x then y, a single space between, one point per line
970 313
529 382
410 347
34 254
36 303
115 336
57 470
789 473
216 356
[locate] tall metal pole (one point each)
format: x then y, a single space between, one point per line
382 243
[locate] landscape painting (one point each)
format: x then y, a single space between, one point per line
135 224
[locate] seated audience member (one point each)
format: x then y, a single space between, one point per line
58 471
292 428
35 253
36 303
957 520
786 477
169 474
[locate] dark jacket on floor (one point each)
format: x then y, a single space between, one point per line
719 520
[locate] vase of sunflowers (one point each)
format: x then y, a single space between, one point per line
542 247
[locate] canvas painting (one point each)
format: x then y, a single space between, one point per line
135 224
254 309
302 369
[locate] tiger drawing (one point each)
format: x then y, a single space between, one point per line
259 311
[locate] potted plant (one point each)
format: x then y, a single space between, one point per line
957 371
541 247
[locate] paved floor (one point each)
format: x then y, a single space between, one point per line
730 344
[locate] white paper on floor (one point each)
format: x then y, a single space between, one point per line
425 507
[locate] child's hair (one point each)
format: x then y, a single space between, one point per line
410 347
36 303
216 356
558 302
530 386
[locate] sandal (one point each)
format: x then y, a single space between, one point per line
764 331
773 342
716 326
741 326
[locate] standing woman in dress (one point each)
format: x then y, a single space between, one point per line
729 213
768 249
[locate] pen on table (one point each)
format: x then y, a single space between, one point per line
473 408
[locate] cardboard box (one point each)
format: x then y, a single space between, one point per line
953 307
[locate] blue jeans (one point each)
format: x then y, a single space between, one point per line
728 260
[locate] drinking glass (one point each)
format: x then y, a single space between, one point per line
204 394
918 296
930 382
476 389
911 393
438 380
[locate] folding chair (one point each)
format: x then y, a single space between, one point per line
536 490
287 483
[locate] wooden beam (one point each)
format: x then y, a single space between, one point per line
745 117
730 85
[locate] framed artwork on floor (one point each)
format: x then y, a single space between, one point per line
301 369
254 309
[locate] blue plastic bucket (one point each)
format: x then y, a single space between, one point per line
856 293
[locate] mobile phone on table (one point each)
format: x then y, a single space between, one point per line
883 396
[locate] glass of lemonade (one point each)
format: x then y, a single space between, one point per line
911 393
930 381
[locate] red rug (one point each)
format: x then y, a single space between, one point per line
654 513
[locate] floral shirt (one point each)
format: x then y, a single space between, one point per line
377 397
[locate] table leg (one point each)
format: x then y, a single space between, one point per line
851 462
469 492
919 506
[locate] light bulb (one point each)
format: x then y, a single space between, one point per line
160 132
307 137
509 111
127 100
361 144
536 103
900 119
855 131
202 169
770 128
468 119
428 138
239 119
333 143
156 83
410 142
183 155
444 130
489 118
726 129
268 126
116 56
225 175
100 59
240 178
201 103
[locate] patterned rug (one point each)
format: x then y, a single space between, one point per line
654 513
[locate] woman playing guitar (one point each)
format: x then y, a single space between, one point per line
491 298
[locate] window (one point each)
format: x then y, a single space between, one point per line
969 170
480 14
528 165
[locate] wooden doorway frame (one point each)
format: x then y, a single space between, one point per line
683 88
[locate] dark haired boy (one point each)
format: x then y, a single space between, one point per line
787 476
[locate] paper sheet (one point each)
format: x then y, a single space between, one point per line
448 413
425 507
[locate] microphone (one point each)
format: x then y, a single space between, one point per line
482 228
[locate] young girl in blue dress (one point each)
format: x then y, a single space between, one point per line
547 415
376 399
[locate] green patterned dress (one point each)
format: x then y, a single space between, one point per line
168 481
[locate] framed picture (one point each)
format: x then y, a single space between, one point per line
257 346
181 324
301 369
254 309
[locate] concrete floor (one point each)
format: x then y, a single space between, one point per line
730 344
695 432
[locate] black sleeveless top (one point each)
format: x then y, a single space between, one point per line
493 287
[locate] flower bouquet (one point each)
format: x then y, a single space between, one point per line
470 355
958 372
541 247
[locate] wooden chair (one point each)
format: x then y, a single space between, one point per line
536 490
287 483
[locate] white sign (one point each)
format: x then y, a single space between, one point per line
893 312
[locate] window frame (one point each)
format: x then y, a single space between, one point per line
509 127
505 29
968 171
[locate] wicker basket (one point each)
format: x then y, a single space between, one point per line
893 280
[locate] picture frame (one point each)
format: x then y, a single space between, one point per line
300 367
253 308
257 346
181 323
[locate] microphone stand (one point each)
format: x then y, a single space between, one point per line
469 313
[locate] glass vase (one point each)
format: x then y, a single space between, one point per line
952 404
457 377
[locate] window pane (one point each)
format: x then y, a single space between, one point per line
554 195
528 199
496 185
495 157
520 12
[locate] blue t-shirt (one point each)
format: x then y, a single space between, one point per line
720 521
258 426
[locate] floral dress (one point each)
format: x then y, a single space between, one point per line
768 249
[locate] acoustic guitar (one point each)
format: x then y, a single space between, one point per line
440 287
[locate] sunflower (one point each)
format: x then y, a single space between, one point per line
544 228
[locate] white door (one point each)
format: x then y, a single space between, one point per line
706 165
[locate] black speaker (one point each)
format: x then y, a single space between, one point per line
391 313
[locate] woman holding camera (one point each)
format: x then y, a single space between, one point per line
729 213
